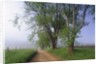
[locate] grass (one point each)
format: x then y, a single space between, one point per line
79 53
18 56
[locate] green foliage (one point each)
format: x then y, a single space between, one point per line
42 20
18 56
44 39
63 33
79 53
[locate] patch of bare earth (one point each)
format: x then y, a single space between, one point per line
44 56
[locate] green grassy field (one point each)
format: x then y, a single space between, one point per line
18 56
79 53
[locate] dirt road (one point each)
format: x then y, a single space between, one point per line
44 56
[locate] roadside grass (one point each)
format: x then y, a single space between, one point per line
79 53
18 56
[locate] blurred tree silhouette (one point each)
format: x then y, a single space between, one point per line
53 20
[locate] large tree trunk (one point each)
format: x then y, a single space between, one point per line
54 42
70 48
54 45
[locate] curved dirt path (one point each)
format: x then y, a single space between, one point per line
44 56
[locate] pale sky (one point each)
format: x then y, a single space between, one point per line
15 37
12 8
1 41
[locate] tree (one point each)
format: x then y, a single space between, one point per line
47 16
75 21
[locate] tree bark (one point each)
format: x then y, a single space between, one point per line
53 45
54 42
71 48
